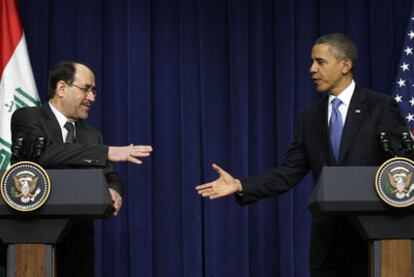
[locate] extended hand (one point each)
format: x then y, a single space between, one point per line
129 153
223 186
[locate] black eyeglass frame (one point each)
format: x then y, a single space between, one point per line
85 90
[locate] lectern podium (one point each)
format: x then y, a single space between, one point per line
31 236
351 191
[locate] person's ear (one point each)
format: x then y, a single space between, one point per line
347 66
61 88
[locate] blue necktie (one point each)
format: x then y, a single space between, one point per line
335 127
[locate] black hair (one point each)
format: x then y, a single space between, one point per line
63 71
341 46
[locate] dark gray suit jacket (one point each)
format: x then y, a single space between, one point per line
75 253
87 152
369 113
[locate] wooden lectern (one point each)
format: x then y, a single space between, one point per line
31 236
351 191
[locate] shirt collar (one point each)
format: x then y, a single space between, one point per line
346 95
59 116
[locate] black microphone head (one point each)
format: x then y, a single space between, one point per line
41 140
19 140
39 146
17 150
406 142
383 135
386 144
405 135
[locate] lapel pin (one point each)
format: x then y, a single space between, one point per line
357 111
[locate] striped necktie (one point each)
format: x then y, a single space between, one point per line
70 137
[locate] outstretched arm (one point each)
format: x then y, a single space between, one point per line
222 186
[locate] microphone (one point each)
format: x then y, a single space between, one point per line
406 144
17 150
39 146
386 145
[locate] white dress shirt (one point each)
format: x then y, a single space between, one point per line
345 97
62 121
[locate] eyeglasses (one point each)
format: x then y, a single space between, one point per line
86 90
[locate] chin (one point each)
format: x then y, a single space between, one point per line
322 88
319 89
83 116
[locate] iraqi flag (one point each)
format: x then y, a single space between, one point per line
17 85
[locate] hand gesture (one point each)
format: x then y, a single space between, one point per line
223 186
129 153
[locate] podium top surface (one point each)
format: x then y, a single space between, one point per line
349 190
74 192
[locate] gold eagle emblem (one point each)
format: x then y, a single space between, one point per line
25 182
400 179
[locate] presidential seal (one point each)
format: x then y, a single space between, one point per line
394 183
25 186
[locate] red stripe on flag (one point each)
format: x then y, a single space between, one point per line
11 31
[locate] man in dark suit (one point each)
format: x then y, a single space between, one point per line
72 143
340 129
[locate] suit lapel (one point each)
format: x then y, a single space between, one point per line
52 122
321 123
81 133
353 121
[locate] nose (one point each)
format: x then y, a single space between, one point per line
313 67
90 96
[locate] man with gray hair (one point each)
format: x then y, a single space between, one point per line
340 129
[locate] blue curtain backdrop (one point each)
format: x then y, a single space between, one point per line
206 81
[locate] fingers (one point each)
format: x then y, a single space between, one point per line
144 148
215 196
138 154
218 169
133 160
116 200
204 186
208 192
205 190
129 153
117 205
140 149
221 187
